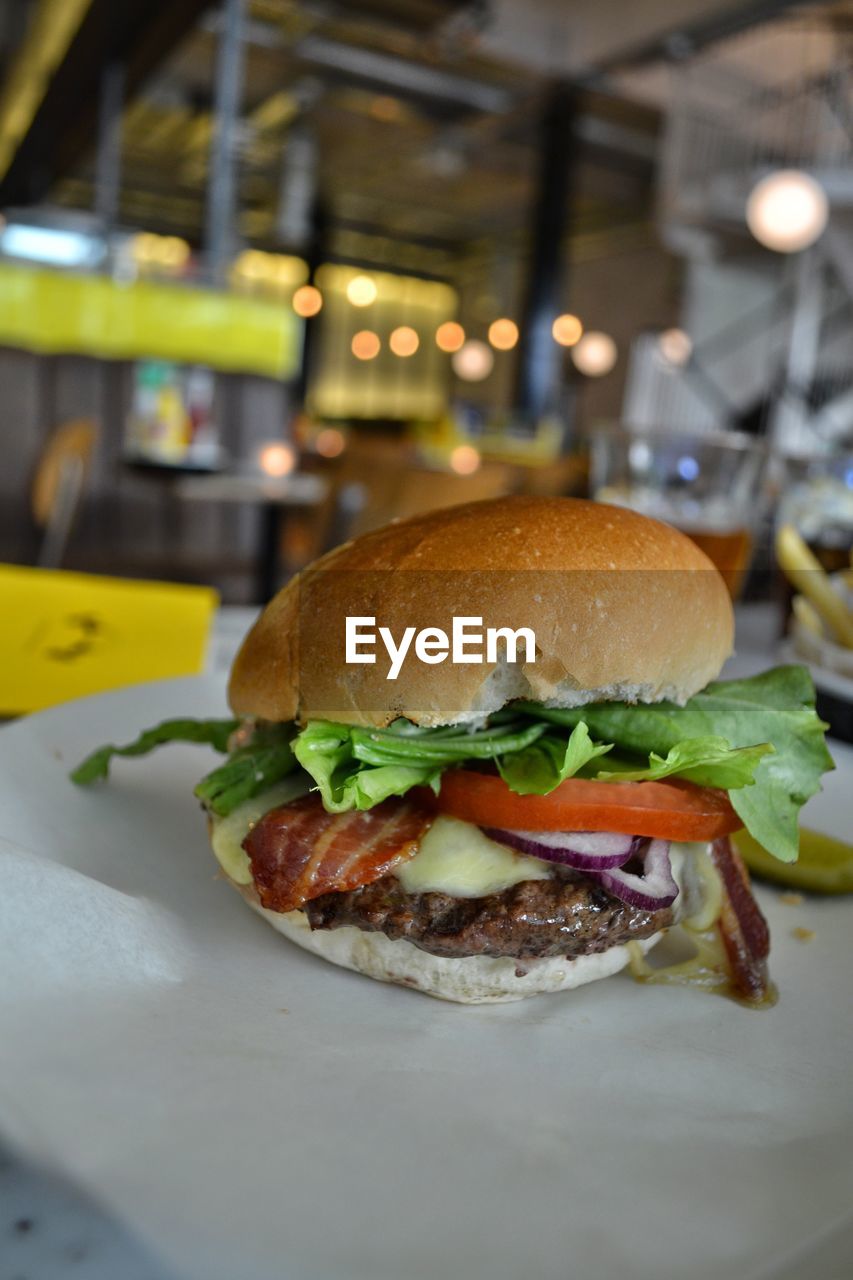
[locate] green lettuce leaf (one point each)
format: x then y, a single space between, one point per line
325 751
214 733
710 762
760 739
542 766
776 707
406 743
356 768
267 758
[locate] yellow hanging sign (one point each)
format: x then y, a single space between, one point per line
48 311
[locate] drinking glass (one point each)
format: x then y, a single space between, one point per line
710 486
818 501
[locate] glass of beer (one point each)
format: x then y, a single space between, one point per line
818 501
711 486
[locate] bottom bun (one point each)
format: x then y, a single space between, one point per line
466 980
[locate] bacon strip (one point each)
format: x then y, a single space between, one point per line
742 926
299 851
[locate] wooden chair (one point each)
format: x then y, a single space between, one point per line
58 486
567 476
366 484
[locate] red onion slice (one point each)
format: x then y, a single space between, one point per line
654 889
582 850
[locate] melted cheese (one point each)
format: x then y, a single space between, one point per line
702 888
456 858
701 901
229 833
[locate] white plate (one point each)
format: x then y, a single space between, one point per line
252 1111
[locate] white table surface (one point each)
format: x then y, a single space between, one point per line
48 1229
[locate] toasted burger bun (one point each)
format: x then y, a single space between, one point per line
467 980
622 606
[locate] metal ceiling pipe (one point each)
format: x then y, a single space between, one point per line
539 357
385 71
221 209
108 152
685 39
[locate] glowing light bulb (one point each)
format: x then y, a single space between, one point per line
145 246
361 291
277 459
473 361
465 460
252 264
174 252
330 442
307 300
594 354
449 336
567 330
787 211
503 334
283 269
675 346
365 345
404 341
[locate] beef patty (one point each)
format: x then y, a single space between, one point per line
557 917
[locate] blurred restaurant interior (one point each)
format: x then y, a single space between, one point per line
273 272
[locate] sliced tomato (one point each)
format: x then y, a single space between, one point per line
672 810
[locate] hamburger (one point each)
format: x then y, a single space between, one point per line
483 753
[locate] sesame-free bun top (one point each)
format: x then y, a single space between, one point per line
623 607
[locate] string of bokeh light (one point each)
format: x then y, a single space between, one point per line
675 347
566 330
160 251
307 301
449 336
330 442
473 362
254 267
503 334
366 345
465 459
594 354
276 459
361 291
404 341
472 359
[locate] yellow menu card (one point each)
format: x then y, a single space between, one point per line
64 635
